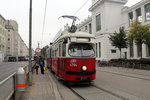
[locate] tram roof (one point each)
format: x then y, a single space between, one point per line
76 34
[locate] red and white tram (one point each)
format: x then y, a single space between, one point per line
72 56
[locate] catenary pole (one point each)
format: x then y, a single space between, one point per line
30 43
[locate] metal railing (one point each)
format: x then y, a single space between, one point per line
8 86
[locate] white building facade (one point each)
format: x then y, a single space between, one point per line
3 34
107 17
15 44
140 12
12 38
86 25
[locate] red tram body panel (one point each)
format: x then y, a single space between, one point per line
74 72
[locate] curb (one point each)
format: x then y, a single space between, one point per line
55 88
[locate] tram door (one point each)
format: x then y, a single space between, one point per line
62 59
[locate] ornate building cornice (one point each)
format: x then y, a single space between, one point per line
135 6
99 2
96 5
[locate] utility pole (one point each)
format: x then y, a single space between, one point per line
30 43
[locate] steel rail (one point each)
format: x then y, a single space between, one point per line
110 92
3 81
76 93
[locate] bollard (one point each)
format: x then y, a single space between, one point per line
21 83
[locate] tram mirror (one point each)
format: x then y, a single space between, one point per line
65 40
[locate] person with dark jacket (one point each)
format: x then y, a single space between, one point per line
36 67
41 63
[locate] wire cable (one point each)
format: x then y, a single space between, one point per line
81 7
78 9
44 21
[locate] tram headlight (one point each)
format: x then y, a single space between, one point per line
84 68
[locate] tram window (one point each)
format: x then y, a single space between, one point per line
59 50
88 50
80 49
64 50
65 40
56 52
52 53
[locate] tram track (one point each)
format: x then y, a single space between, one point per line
82 92
76 93
82 96
110 92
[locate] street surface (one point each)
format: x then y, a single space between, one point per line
111 84
7 68
132 82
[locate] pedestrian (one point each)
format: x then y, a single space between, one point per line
41 63
36 67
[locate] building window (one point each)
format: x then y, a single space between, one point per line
8 39
86 28
130 17
3 48
98 22
147 51
99 49
90 28
138 15
96 51
139 52
113 51
0 30
131 49
147 12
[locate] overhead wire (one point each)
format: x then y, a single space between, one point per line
79 8
61 24
44 20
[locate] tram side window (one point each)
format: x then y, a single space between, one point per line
63 50
60 53
56 51
52 52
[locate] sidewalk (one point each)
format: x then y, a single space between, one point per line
135 73
43 88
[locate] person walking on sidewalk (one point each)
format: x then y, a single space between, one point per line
41 63
36 67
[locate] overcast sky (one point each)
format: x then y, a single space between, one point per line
19 10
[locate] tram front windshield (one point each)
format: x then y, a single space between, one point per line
81 50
